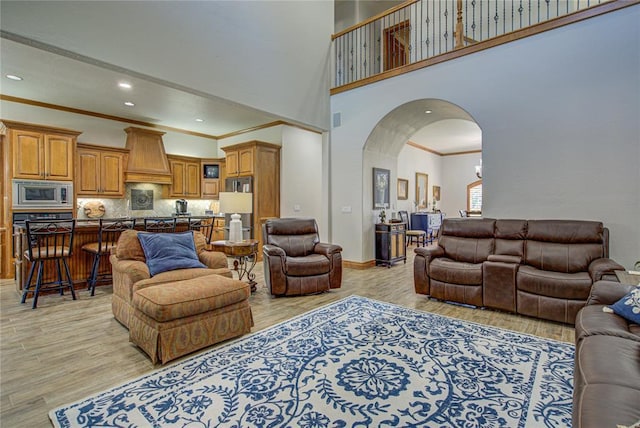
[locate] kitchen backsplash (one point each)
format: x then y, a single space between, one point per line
147 195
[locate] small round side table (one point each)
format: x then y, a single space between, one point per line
245 255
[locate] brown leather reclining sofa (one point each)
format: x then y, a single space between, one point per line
606 391
540 268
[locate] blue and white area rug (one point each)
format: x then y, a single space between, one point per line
354 363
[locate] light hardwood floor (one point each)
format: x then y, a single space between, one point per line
66 350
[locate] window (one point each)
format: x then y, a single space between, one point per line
474 198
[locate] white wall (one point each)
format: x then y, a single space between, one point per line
459 172
412 160
234 50
301 172
559 117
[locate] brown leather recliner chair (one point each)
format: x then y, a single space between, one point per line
295 261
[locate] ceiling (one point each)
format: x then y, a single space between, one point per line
66 79
57 79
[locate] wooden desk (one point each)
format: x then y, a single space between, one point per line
244 254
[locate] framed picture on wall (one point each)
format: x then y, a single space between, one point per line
403 189
422 183
381 178
436 193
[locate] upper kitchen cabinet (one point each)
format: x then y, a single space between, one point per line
40 152
213 174
100 171
185 173
239 160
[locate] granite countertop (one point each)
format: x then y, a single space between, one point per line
90 222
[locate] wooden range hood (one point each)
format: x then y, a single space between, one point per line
147 159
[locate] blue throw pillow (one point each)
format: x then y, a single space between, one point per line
169 251
629 306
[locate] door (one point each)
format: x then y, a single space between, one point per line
28 155
396 45
58 157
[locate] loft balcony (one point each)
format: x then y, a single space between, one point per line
419 33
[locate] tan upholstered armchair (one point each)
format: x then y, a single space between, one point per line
295 261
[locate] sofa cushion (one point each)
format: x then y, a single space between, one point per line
596 357
592 321
628 306
567 246
129 247
169 251
181 299
510 236
313 264
606 405
453 272
573 286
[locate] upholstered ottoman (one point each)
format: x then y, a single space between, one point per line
174 319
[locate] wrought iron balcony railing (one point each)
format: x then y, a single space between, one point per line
419 30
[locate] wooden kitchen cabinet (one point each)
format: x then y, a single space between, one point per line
211 187
218 229
100 171
41 153
185 173
240 162
260 161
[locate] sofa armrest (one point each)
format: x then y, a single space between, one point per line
429 252
327 249
504 258
599 267
213 259
273 263
421 261
272 250
607 292
133 269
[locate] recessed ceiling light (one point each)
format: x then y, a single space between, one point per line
428 111
129 104
199 120
13 77
124 85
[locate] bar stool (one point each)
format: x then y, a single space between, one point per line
160 224
49 241
202 224
108 233
419 234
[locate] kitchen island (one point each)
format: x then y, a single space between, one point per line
80 261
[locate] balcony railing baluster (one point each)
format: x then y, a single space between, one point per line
421 29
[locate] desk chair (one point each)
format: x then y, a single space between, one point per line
108 234
419 234
204 225
160 224
49 241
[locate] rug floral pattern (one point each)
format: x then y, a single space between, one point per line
354 363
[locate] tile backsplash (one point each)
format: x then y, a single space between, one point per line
161 207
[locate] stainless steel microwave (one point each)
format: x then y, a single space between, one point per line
42 194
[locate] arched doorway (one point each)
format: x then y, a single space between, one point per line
384 149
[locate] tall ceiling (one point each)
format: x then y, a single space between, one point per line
53 74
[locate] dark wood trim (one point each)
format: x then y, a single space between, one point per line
373 18
358 265
542 27
426 149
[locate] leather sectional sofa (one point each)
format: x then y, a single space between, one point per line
607 363
539 268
